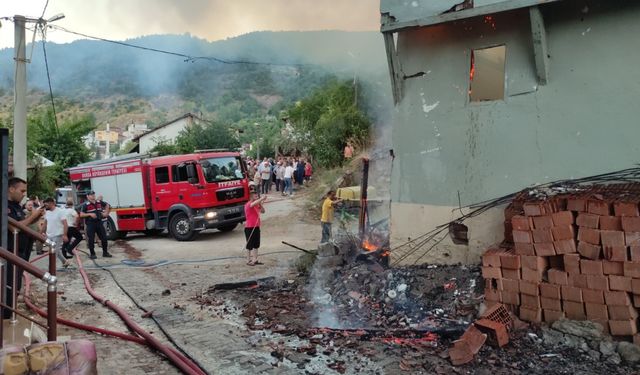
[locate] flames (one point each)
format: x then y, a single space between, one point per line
369 246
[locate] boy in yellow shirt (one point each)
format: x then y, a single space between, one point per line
327 215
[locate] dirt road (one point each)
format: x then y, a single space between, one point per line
166 276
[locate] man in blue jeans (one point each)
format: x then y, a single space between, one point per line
288 183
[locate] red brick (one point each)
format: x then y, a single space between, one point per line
632 269
596 311
565 246
519 222
632 238
626 209
565 232
491 257
510 298
534 262
529 288
522 236
578 280
542 222
551 304
615 253
574 310
593 296
610 223
588 221
576 204
591 267
492 295
635 286
532 302
589 235
612 268
511 274
571 263
588 250
524 248
542 235
550 291
604 324
597 282
461 352
475 338
509 285
635 253
535 208
636 300
551 316
599 208
531 315
534 276
612 238
557 277
613 298
496 331
562 218
620 283
544 249
510 261
571 293
623 327
622 312
630 224
491 272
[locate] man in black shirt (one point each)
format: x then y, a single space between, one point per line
15 194
92 212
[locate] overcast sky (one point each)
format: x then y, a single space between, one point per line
208 19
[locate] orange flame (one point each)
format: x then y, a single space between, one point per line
369 246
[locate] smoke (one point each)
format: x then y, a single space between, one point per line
319 291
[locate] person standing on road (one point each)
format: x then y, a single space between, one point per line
106 209
73 234
288 183
307 171
92 211
30 208
16 192
55 227
265 177
279 177
252 211
327 215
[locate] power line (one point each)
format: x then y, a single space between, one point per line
46 64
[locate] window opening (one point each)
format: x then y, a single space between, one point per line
162 175
487 75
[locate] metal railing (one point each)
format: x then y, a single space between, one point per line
13 260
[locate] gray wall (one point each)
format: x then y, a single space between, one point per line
583 122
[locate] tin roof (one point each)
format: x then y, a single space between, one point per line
403 14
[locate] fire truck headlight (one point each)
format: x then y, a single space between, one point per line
210 215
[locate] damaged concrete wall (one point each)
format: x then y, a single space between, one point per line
583 122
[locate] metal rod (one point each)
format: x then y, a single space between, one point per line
26 230
24 316
26 266
299 248
52 295
14 286
3 266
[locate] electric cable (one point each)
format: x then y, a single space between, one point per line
46 64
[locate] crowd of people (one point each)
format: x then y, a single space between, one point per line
283 174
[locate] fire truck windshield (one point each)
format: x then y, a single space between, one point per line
221 169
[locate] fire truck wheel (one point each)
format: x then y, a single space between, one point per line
112 233
227 228
181 228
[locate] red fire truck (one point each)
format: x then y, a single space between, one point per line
182 193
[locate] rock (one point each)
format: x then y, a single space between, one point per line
586 329
614 359
594 354
575 342
607 348
629 352
552 338
327 249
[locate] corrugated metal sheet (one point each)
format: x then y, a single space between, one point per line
402 14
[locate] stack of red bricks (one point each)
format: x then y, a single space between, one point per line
573 257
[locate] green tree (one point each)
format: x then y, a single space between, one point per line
61 144
327 119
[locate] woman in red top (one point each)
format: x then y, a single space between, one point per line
252 211
307 171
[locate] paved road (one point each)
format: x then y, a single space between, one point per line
185 269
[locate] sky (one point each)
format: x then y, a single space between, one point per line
207 19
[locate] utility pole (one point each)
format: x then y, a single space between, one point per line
20 105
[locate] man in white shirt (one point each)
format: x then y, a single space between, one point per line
73 234
288 175
55 227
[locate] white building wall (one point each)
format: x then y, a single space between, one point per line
166 133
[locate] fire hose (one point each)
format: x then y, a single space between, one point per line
180 361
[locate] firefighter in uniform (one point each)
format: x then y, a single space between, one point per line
92 212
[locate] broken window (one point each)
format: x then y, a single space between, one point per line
487 74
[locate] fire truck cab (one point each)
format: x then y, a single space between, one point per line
184 194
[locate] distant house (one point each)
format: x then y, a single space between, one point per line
166 132
493 96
